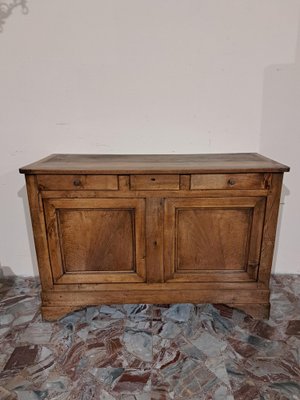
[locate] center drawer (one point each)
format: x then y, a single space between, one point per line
154 182
228 181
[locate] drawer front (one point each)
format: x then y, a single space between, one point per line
154 182
228 181
77 182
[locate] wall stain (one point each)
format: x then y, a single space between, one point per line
7 8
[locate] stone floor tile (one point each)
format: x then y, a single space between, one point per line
293 328
22 356
149 352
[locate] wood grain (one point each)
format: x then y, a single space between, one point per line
185 182
211 239
257 311
227 181
148 193
232 296
155 237
207 234
154 182
149 163
39 232
77 182
154 229
102 235
269 230
97 240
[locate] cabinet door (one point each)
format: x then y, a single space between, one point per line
213 239
96 240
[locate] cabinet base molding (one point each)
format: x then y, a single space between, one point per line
256 311
57 304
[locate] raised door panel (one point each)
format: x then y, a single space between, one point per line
213 239
96 240
106 244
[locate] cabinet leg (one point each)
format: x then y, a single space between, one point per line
257 311
55 313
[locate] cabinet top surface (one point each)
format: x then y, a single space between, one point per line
149 163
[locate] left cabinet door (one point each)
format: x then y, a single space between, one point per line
96 240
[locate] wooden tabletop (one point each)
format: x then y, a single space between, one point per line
150 163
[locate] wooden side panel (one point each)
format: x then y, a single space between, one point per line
39 232
269 231
154 240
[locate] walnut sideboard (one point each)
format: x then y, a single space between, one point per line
154 229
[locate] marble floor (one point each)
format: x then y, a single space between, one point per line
149 352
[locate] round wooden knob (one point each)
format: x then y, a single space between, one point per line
231 182
76 182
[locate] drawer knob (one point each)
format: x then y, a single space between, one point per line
153 179
231 182
76 182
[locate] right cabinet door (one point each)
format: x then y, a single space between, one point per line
213 239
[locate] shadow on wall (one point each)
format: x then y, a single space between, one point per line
7 8
22 193
280 131
6 272
7 280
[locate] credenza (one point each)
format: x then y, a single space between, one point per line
197 228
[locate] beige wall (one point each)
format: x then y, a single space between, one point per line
280 138
134 76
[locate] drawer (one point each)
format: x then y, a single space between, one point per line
228 181
154 182
77 182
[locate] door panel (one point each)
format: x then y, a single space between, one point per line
96 239
107 243
213 237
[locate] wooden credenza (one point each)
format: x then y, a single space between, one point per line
154 229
